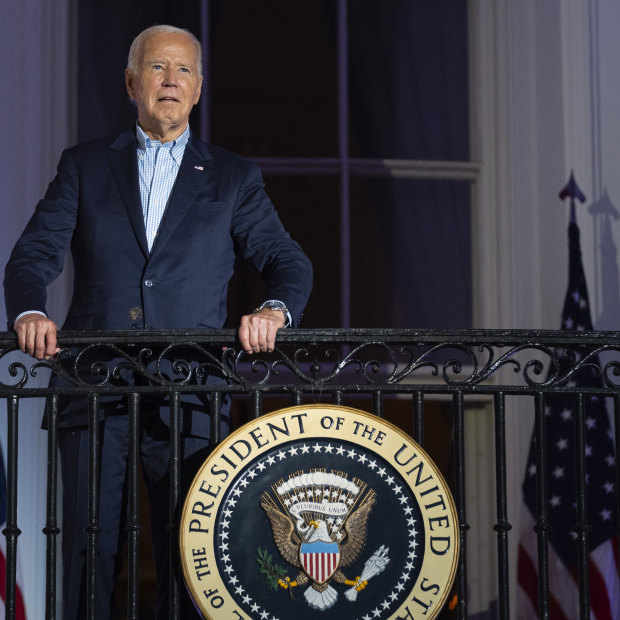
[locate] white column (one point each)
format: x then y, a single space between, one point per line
37 47
533 92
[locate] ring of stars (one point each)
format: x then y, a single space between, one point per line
374 465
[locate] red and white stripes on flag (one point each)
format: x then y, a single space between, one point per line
320 566
563 586
20 609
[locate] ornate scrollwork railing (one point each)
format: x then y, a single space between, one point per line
319 359
330 363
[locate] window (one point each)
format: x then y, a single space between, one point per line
358 114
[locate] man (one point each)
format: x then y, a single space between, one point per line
155 219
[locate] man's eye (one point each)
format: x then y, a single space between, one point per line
184 69
157 67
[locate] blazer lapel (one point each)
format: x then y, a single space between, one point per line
192 173
124 165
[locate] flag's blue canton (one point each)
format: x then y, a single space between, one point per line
560 413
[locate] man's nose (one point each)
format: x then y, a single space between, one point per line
169 77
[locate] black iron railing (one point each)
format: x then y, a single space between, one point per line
378 367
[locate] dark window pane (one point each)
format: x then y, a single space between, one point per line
308 207
273 77
411 253
408 79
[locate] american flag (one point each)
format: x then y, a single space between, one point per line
20 612
600 463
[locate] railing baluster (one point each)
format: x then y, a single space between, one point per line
216 417
542 506
337 397
11 531
418 417
297 397
503 526
51 529
459 458
257 403
133 520
175 493
582 528
377 403
93 504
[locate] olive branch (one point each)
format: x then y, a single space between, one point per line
271 571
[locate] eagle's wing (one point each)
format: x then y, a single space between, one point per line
355 527
283 528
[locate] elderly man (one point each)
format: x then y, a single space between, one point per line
155 219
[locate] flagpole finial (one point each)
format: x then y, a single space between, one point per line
571 189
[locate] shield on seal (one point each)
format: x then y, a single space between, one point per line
319 559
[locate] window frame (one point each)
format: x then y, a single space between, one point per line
343 166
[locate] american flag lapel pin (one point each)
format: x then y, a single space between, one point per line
201 168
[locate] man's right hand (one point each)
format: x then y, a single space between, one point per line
36 335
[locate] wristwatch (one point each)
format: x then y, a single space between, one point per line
274 304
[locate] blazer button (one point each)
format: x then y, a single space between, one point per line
149 283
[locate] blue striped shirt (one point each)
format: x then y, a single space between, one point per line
158 166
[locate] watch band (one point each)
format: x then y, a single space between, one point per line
276 304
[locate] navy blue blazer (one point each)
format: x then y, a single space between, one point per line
218 211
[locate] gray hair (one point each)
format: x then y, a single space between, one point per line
136 46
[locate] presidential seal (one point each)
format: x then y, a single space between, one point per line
322 512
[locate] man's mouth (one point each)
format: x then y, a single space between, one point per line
168 99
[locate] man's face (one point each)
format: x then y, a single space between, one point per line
166 84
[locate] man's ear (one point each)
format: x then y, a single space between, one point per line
198 91
129 84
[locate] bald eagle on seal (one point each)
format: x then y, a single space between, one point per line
289 541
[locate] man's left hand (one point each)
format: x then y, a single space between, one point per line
257 331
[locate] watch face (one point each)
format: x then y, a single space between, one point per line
275 305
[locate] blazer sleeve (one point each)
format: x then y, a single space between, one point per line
38 256
260 239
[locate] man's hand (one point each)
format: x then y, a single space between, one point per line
257 331
36 335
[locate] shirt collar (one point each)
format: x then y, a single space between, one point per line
176 150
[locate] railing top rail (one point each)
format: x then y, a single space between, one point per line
500 337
